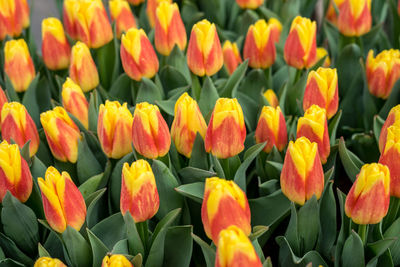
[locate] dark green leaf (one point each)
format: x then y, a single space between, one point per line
178 246
231 86
333 125
351 165
87 165
78 249
91 185
102 230
208 252
134 241
208 97
199 157
194 191
353 251
99 250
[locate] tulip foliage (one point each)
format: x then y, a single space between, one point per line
200 133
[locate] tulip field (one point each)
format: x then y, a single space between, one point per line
227 133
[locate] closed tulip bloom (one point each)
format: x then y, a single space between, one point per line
25 12
271 98
114 128
302 175
368 199
122 14
82 69
18 64
188 121
170 30
321 53
17 125
139 195
232 57
70 11
116 261
151 10
322 90
226 130
249 4
204 53
137 55
301 46
355 17
382 71
74 101
55 47
393 118
48 262
234 248
63 204
331 14
276 29
224 204
13 17
62 134
271 128
3 100
150 133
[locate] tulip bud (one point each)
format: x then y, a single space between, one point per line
271 128
151 10
137 55
70 11
226 131
271 98
74 101
49 262
383 71
82 69
302 175
114 128
122 14
139 195
25 12
55 47
331 13
301 46
393 118
62 134
276 29
187 122
249 4
63 204
322 90
231 56
14 16
234 248
3 100
150 133
116 261
224 204
170 30
18 64
204 53
321 53
355 17
17 125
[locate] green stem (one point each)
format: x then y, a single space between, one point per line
196 87
298 75
362 232
225 167
143 232
392 214
268 76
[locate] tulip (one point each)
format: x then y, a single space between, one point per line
383 71
302 175
300 48
82 69
62 134
70 11
74 101
116 261
25 12
226 131
321 53
3 100
271 98
139 195
63 204
276 29
271 128
17 125
122 15
14 16
114 128
249 4
187 122
137 55
231 56
235 249
150 133
224 204
169 30
322 90
355 17
331 14
55 47
393 118
204 53
151 10
49 262
18 64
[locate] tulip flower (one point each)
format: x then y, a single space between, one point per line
271 98
226 131
63 204
17 125
151 10
302 175
322 90
234 248
331 13
321 53
224 204
48 262
276 29
204 53
368 199
150 133
249 4
3 100
116 261
74 101
137 55
114 128
14 16
393 118
383 71
355 17
187 122
139 195
169 29
122 15
55 47
271 128
82 69
232 57
25 13
62 134
18 64
300 47
70 11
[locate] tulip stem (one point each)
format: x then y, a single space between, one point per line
225 167
143 232
362 232
298 75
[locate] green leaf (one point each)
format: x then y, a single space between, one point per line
42 251
149 92
232 84
94 103
351 163
267 262
30 101
193 191
78 249
99 250
376 249
121 88
168 106
177 59
10 91
292 231
258 231
178 246
10 248
90 185
377 127
87 165
172 78
392 101
348 66
10 263
134 241
95 211
199 157
333 125
192 175
208 252
102 230
353 251
208 97
107 59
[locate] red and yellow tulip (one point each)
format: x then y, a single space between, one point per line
122 14
74 101
48 262
393 118
70 11
14 16
271 97
116 261
151 10
232 57
355 17
331 14
321 53
3 100
249 4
